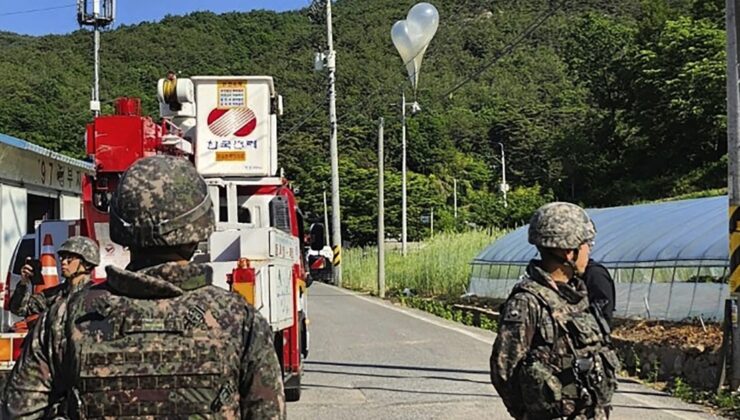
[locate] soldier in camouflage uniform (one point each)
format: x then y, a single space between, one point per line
553 357
79 257
156 340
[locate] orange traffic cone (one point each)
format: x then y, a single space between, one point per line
49 276
48 266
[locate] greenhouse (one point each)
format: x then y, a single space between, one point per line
669 260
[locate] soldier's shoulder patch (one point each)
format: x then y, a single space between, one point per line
515 309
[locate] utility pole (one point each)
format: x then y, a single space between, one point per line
431 222
321 61
326 219
504 187
95 102
335 215
404 224
732 349
403 174
98 14
454 195
381 213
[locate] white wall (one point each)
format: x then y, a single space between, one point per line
13 216
69 207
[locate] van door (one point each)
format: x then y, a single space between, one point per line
26 247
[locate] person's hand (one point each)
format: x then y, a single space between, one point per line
26 272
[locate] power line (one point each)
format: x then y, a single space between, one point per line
521 37
508 49
29 11
369 101
370 97
304 120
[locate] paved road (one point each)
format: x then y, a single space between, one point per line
373 360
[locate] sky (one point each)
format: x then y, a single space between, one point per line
42 17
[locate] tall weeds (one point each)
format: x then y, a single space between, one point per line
438 267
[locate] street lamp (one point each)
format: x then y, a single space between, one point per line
503 187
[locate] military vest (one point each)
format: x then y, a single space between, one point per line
572 364
167 358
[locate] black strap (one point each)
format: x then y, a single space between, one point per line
543 301
606 331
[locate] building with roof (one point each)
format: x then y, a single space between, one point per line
35 184
669 260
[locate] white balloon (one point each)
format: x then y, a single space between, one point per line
425 17
405 46
402 40
413 35
414 76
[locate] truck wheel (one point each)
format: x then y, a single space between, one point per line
293 384
293 394
304 337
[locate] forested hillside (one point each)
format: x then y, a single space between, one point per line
608 102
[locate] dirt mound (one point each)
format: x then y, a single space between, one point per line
676 334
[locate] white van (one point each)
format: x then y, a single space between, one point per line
26 248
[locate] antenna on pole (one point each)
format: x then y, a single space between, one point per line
98 14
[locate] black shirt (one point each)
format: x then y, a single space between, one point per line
600 287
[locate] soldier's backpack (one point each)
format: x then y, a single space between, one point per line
578 367
165 358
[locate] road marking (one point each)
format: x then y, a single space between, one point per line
482 339
649 403
470 334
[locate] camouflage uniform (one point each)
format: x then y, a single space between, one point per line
546 327
153 341
24 303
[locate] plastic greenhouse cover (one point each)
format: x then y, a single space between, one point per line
682 232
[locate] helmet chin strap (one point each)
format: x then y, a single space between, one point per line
84 269
565 261
572 263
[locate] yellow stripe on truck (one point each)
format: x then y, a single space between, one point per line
6 350
246 290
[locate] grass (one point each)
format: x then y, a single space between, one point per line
728 403
447 310
438 267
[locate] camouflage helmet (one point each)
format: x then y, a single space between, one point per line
560 225
161 201
85 247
